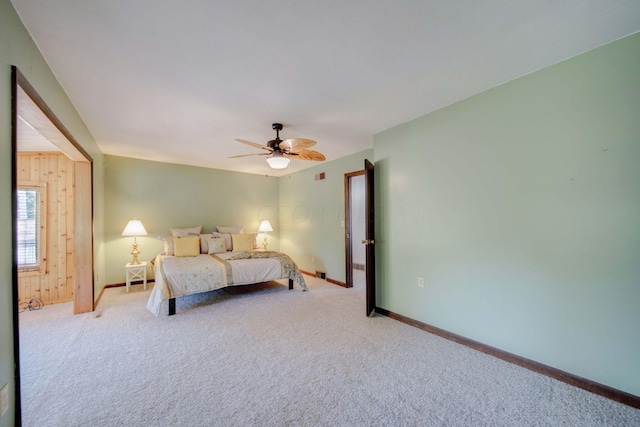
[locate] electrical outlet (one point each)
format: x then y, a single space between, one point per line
4 400
421 282
313 259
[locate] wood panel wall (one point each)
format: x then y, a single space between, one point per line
55 284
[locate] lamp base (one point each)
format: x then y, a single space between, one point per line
264 242
135 252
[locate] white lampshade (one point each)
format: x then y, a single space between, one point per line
278 161
265 226
134 228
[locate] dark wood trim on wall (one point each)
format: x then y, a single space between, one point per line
566 377
335 282
15 76
119 285
100 296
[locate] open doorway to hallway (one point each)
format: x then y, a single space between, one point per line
355 229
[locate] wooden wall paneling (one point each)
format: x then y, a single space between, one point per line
61 201
50 166
55 283
70 253
83 272
41 168
24 289
44 208
35 174
24 169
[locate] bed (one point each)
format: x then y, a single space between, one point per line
179 276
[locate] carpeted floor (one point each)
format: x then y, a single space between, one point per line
267 356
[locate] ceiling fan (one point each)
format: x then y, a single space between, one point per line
280 151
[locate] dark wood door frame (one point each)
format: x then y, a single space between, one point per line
348 231
14 243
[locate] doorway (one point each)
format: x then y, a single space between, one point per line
360 196
30 112
63 157
355 229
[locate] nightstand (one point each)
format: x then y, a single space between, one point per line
136 272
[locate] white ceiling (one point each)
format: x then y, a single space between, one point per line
179 81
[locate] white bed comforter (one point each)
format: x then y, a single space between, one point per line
180 276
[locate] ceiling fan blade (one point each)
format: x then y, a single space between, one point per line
295 145
309 155
248 155
253 144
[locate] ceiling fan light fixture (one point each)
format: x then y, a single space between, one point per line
279 151
278 161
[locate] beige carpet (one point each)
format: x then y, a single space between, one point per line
267 356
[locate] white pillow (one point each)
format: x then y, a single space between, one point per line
216 245
204 245
184 232
231 230
168 245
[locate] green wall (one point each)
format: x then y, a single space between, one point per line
17 48
165 195
521 209
312 215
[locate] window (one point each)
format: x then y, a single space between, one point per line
31 202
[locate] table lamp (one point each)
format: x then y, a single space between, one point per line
135 228
265 226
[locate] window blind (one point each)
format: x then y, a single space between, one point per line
28 232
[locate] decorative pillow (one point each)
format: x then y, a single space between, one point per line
242 242
168 245
226 237
186 246
216 245
231 230
184 232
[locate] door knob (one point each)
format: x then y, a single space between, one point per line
367 242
